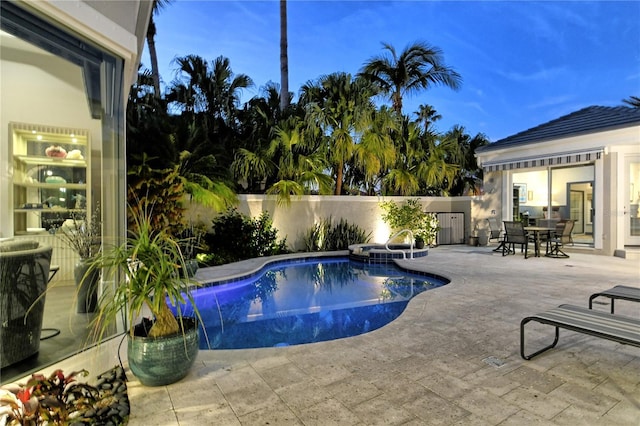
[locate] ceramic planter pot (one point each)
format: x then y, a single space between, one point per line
164 360
86 287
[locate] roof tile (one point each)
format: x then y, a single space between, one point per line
586 120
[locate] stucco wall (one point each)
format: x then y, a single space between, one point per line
292 221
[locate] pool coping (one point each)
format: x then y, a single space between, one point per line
233 272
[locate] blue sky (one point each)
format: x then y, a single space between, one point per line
522 63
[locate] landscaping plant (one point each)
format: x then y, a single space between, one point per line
235 236
327 236
410 215
61 400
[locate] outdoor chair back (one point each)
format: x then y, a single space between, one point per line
562 236
564 228
24 273
494 229
515 234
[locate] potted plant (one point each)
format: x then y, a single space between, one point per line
83 236
150 273
410 216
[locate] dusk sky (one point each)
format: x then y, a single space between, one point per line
522 63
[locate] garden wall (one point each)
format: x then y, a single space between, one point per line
294 220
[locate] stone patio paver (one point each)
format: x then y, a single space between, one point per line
429 366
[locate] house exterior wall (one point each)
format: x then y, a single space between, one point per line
118 26
609 179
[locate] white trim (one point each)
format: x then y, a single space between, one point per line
90 23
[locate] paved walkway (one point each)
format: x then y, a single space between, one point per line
452 358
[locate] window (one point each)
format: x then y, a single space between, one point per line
52 79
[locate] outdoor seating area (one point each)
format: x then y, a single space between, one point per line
518 233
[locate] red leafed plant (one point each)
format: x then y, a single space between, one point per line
56 399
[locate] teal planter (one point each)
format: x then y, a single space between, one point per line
165 360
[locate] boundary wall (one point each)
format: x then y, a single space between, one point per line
294 220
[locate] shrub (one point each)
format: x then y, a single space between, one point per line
409 215
325 236
236 237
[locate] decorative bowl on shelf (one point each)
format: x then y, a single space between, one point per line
75 154
55 179
55 151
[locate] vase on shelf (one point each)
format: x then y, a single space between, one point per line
86 287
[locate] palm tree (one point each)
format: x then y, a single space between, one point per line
340 106
151 44
161 145
632 101
462 153
428 115
284 58
417 67
209 96
299 170
214 90
375 153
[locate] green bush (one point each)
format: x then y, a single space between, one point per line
325 236
236 237
410 215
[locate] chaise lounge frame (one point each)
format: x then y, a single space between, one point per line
621 292
617 328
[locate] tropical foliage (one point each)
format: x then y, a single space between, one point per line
411 216
417 67
328 236
235 236
336 139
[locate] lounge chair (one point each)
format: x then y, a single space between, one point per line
515 235
622 292
618 328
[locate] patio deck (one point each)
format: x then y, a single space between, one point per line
452 358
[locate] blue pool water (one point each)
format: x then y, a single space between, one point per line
306 301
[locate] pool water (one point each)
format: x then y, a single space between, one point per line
303 302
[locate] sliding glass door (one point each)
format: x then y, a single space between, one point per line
632 201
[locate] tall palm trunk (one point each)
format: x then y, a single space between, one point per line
151 44
284 58
339 177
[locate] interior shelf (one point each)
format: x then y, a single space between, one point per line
50 161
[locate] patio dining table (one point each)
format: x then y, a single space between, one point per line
537 232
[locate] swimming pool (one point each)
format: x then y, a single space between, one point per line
306 301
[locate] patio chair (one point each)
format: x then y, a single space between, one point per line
24 273
561 237
515 234
495 233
